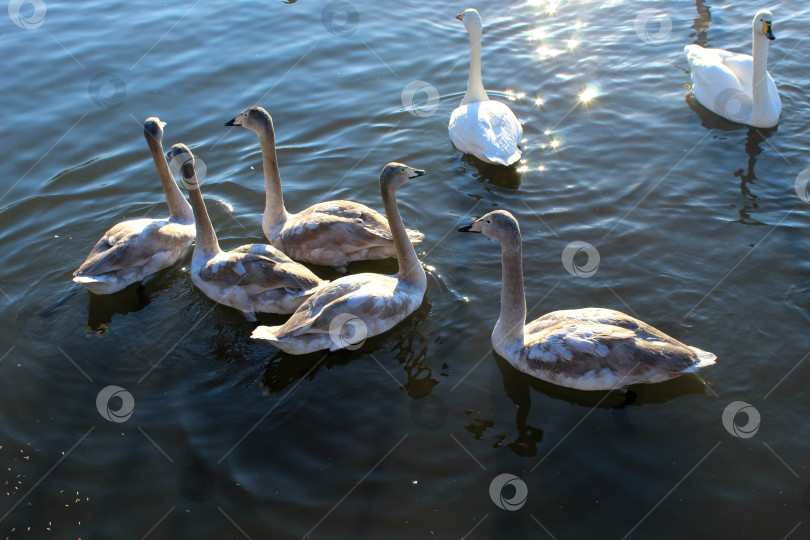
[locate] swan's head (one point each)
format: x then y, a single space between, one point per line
499 224
763 24
472 20
254 118
395 174
153 129
183 155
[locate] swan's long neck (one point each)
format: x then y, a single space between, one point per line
274 212
409 267
206 243
510 326
475 85
760 75
179 209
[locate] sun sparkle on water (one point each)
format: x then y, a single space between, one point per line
590 93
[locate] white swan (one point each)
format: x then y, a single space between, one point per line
251 278
135 249
332 233
347 310
587 349
738 86
482 127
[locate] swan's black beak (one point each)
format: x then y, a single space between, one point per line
467 228
769 32
417 172
460 17
232 122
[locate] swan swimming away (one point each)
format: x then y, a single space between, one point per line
251 278
344 312
586 349
135 249
480 126
736 86
332 233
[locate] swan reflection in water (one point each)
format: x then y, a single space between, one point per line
519 388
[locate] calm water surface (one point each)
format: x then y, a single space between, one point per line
696 223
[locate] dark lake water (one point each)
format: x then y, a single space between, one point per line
696 222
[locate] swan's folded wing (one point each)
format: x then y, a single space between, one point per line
487 129
258 268
364 296
594 346
710 74
132 244
340 224
742 65
583 341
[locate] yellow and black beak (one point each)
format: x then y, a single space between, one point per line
767 29
460 17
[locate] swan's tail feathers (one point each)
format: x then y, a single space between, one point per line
415 236
515 157
692 52
704 359
511 160
267 333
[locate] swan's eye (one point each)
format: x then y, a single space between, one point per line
402 170
488 221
